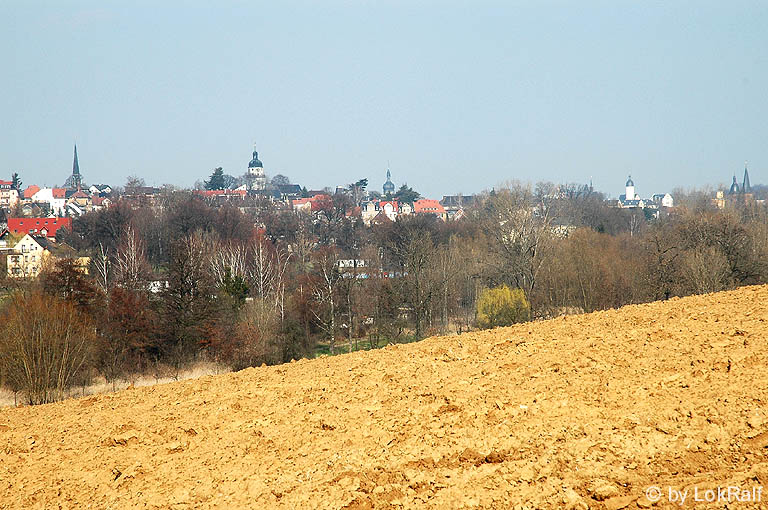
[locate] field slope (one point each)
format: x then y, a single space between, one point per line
581 411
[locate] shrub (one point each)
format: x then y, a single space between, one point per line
45 345
502 306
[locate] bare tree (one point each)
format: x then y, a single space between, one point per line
45 344
228 261
103 264
520 224
706 269
131 262
324 291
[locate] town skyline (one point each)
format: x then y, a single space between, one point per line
372 186
330 92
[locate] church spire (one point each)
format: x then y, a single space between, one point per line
74 181
745 186
75 164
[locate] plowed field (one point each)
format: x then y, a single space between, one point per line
581 411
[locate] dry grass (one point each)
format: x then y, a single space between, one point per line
100 385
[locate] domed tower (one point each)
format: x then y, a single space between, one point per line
389 187
734 187
255 176
630 189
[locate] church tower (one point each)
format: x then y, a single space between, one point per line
74 181
255 176
746 187
734 187
630 189
389 187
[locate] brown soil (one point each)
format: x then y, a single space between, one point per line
581 411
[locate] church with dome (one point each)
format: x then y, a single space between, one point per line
389 186
630 199
255 177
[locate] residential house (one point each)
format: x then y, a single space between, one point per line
288 191
54 199
455 205
663 200
311 204
101 190
30 191
47 227
25 259
31 254
429 206
9 196
371 209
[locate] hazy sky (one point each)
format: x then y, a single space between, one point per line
456 96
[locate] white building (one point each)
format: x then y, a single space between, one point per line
255 176
54 197
630 199
663 199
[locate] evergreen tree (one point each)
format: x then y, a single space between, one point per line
217 180
406 194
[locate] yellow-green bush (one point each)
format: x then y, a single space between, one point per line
502 306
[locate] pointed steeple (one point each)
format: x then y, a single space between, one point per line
74 181
745 186
75 164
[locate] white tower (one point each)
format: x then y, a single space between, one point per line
630 192
256 178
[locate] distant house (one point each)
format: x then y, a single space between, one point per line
52 198
309 205
9 196
100 203
26 258
30 255
455 205
30 191
101 190
371 209
429 206
663 200
46 227
288 191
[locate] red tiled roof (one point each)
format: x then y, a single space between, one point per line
428 205
35 225
31 190
59 193
395 204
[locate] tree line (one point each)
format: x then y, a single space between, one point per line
249 283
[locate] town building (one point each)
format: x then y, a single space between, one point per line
455 205
75 181
736 193
389 186
255 177
429 206
630 199
9 196
46 227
